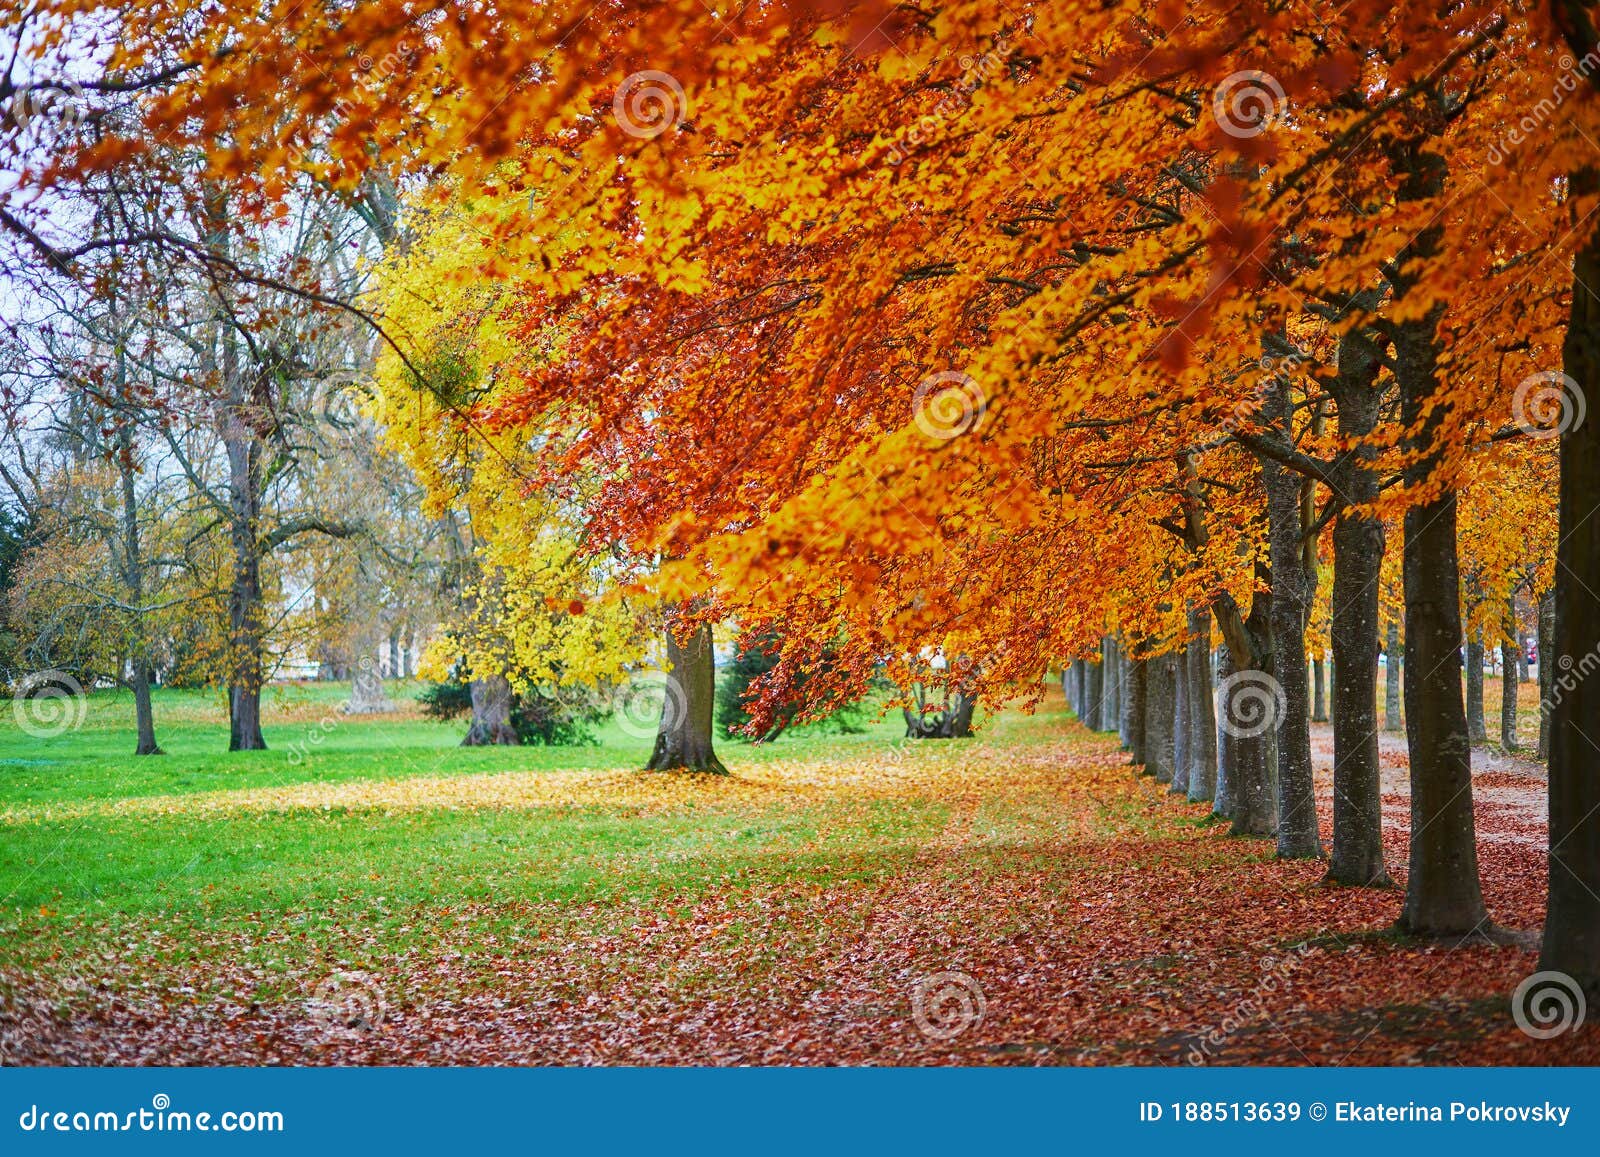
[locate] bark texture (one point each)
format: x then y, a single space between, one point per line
1391 681
683 741
1298 837
1202 711
491 714
1572 921
1443 894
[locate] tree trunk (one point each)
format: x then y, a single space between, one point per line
1547 633
1298 837
1113 685
133 576
1443 893
1093 696
1333 700
1358 546
1572 920
684 739
491 714
367 696
1319 694
1138 708
1391 681
1181 756
144 715
1251 709
1202 711
1159 718
1227 757
1477 730
1508 696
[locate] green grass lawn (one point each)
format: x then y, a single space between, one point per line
309 739
70 874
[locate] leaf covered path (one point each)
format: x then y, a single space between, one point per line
800 913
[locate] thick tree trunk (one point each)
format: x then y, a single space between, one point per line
684 739
1572 921
1094 696
1158 720
1508 696
1298 837
367 696
1250 710
1202 711
1181 756
1319 694
1443 893
1227 756
491 714
1138 709
1391 681
1358 546
1546 657
143 712
1477 729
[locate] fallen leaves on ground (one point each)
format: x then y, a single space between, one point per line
1070 912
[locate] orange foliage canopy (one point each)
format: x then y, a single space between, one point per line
937 323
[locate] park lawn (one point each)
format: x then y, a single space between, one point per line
556 906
